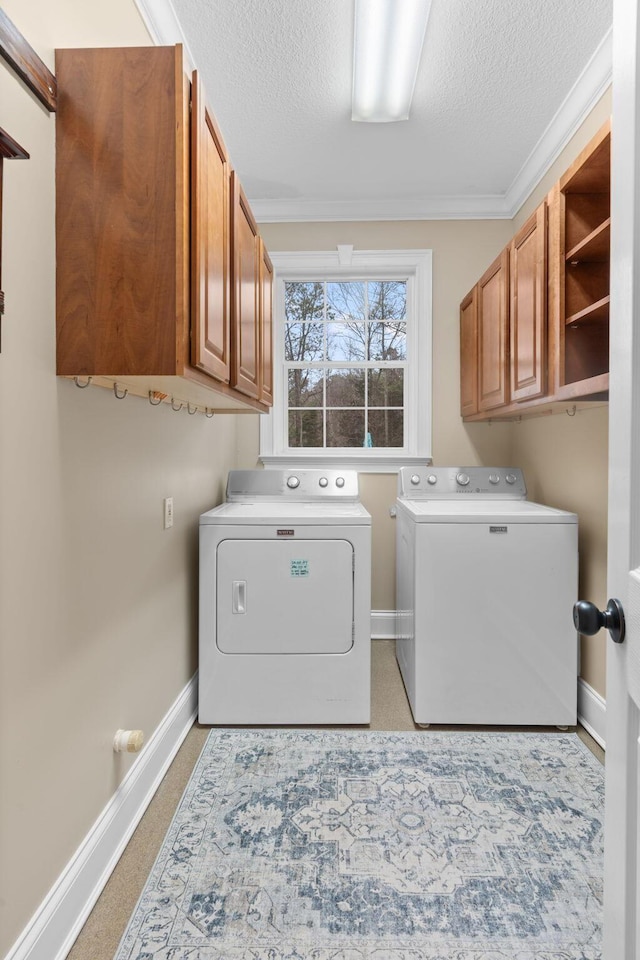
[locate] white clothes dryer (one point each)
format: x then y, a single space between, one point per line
486 582
285 601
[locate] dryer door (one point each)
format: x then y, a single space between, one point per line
279 597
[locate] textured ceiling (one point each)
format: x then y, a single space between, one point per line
493 75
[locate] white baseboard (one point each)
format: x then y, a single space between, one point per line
54 927
592 712
383 624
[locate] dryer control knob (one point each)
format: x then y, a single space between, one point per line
415 479
323 481
494 478
293 482
431 479
511 478
462 479
339 481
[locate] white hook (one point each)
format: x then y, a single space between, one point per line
208 413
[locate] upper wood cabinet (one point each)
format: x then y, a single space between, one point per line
581 244
210 242
147 258
528 308
493 342
247 338
266 319
546 341
469 354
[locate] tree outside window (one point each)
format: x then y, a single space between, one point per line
345 349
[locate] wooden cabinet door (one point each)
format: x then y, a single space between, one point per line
528 308
493 348
246 335
469 354
266 318
122 236
210 242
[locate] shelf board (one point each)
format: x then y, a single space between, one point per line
594 248
595 312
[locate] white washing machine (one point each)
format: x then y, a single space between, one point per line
486 582
285 601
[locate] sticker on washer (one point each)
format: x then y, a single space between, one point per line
299 568
498 530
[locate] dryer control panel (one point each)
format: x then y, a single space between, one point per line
310 485
449 483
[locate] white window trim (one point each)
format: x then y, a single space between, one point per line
413 265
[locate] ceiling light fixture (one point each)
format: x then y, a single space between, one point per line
388 39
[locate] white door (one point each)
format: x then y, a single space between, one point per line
622 827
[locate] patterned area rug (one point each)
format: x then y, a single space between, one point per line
314 845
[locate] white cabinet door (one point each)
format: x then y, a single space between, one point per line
284 596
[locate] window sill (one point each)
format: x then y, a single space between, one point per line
371 463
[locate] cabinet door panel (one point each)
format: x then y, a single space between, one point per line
493 383
211 249
528 301
469 354
245 373
266 316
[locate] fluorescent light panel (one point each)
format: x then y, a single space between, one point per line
388 39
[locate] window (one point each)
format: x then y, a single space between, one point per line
352 359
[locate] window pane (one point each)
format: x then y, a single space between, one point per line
386 428
346 341
388 341
303 341
345 428
386 387
303 302
345 301
387 300
305 428
345 388
305 388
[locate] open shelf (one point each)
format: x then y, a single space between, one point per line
595 312
594 248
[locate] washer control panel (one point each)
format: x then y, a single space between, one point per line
292 484
448 483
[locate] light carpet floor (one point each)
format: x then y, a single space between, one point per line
102 932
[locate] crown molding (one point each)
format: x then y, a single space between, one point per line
163 25
164 28
422 208
576 107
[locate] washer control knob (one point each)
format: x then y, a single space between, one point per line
293 482
494 478
511 478
462 479
339 481
415 479
323 482
432 479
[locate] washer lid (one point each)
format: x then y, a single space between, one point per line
273 512
483 511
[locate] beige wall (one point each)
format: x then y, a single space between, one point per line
98 602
